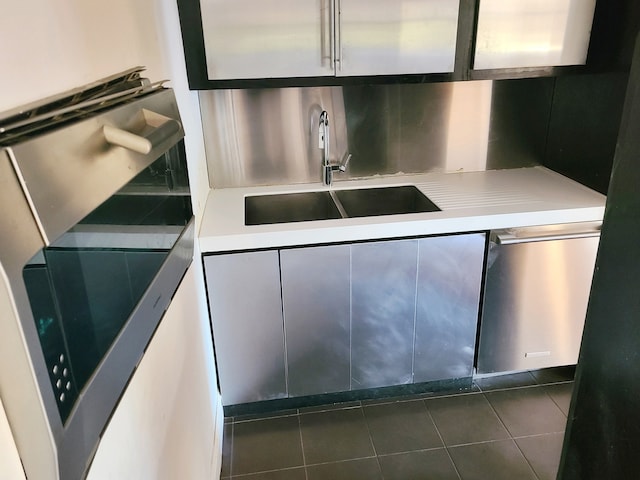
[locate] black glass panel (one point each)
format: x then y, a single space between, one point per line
84 287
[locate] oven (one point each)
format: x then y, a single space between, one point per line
96 233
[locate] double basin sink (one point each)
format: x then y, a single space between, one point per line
335 204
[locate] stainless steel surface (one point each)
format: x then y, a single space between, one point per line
317 307
290 207
449 281
383 294
532 33
288 38
546 233
76 169
384 37
270 136
334 204
48 447
280 38
246 314
364 202
536 296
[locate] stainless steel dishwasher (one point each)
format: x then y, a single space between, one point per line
536 293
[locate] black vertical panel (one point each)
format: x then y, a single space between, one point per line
602 440
583 127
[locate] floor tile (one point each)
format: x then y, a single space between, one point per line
499 460
543 453
466 419
401 427
227 441
262 445
554 375
561 394
427 465
288 474
335 435
362 469
498 382
527 411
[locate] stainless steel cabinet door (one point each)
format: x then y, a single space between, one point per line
377 37
259 39
316 304
383 312
246 314
532 33
449 280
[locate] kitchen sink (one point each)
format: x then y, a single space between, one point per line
289 207
324 205
366 202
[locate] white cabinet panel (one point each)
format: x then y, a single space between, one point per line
385 37
278 38
533 33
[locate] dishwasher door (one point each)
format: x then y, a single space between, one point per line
536 293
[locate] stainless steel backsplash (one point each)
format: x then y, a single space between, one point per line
270 136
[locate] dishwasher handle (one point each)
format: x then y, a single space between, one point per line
547 233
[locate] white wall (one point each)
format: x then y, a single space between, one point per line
160 429
52 46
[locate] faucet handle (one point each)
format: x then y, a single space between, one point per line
345 162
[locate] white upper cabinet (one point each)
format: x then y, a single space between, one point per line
378 37
245 39
532 33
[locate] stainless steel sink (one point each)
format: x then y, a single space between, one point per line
368 202
308 206
289 207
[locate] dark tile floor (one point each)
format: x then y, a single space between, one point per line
508 427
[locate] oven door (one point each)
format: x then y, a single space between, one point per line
90 291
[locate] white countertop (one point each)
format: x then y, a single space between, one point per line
469 201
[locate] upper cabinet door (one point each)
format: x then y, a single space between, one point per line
246 39
532 33
386 37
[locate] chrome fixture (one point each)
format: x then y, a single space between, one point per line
323 143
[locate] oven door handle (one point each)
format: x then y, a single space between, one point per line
162 129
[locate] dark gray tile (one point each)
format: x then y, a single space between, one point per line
527 411
466 419
335 435
543 453
288 474
561 394
499 460
512 380
262 445
427 465
401 427
362 469
227 442
554 375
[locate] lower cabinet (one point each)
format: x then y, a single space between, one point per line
322 319
448 299
246 315
316 305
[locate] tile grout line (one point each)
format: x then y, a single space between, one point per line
233 429
304 457
446 448
512 439
375 452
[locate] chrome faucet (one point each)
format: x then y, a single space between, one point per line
323 143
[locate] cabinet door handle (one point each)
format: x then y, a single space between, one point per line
326 32
163 128
338 35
